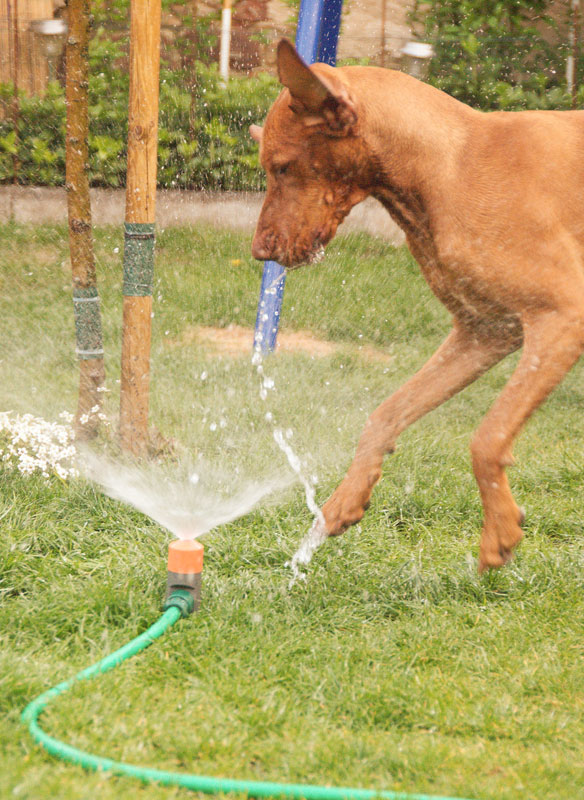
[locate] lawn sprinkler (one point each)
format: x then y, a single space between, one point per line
183 583
185 565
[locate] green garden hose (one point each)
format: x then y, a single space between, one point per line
177 605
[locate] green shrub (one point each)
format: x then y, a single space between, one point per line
204 142
490 54
41 142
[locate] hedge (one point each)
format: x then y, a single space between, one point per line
204 141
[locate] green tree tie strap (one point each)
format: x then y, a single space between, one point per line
139 240
87 323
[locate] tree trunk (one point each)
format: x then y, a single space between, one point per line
192 65
576 22
85 296
15 99
139 227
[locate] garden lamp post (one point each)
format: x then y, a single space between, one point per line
225 41
51 35
416 58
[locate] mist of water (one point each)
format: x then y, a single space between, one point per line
184 505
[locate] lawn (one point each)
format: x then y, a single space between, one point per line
394 665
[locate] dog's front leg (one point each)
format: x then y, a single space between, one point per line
464 356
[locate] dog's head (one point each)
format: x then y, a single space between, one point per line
310 149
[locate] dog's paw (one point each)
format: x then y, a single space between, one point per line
493 559
349 502
499 542
340 515
342 510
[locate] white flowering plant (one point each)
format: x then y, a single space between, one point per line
34 445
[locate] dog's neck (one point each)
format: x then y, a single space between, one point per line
413 139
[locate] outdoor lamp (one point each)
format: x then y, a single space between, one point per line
51 35
416 58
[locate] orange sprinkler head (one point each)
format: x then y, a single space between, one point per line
185 565
185 556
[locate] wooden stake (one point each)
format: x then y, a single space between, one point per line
140 211
85 297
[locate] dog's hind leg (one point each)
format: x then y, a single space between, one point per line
553 342
465 355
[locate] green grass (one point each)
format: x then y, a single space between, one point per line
394 665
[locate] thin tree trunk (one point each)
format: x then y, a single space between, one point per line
139 227
14 51
383 21
192 64
85 296
576 23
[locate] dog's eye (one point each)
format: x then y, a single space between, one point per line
281 169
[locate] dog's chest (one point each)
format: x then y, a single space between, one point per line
452 275
464 292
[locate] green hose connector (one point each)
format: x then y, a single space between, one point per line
177 606
181 599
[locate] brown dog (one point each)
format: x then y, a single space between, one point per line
492 208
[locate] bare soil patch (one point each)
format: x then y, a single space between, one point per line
236 340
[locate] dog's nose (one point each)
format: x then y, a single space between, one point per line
259 250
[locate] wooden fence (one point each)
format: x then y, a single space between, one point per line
32 70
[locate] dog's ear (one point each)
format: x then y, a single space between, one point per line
255 132
321 99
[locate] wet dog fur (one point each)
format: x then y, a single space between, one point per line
491 204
